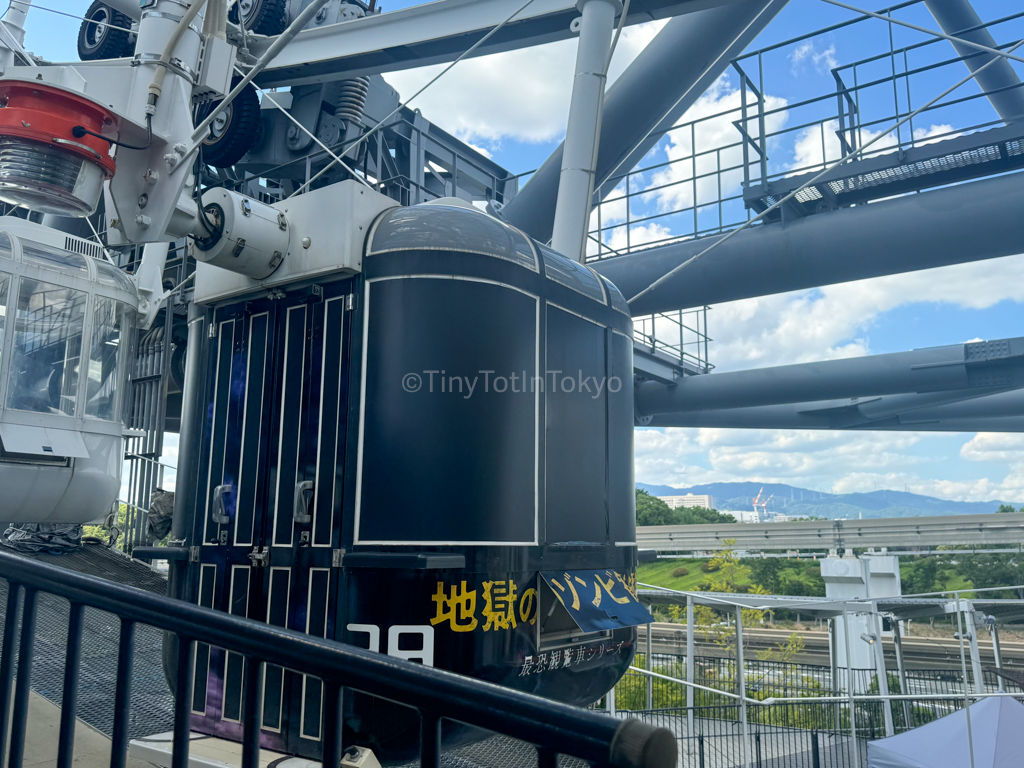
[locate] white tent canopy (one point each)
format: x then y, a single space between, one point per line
997 731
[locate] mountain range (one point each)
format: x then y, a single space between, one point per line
802 502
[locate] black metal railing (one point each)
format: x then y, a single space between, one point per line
553 728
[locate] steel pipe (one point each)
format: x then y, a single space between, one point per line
645 101
576 180
999 82
954 225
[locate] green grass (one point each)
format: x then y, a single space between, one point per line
660 574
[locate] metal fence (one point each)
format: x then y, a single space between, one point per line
814 725
436 695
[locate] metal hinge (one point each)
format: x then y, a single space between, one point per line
337 556
350 301
212 333
260 557
193 554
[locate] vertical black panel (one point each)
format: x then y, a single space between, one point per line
290 422
621 493
238 606
316 625
449 461
277 614
252 425
219 419
577 472
207 588
331 426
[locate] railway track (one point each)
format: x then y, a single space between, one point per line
918 652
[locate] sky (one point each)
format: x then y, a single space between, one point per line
513 107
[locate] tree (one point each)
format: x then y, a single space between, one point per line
1007 509
985 571
768 573
703 516
650 510
921 576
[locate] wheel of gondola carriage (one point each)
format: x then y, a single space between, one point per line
234 131
105 34
264 17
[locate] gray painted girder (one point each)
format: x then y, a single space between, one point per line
976 367
436 33
934 412
666 79
999 81
968 222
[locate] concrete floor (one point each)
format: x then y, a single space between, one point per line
92 748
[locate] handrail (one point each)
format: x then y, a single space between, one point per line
552 726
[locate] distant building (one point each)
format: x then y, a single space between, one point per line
743 516
689 500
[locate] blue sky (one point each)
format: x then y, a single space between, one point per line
513 106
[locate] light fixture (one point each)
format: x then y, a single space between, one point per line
869 639
46 164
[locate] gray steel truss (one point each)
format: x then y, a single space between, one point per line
436 33
970 222
922 389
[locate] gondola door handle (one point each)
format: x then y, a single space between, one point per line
300 507
218 513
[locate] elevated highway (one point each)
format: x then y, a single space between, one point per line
906 533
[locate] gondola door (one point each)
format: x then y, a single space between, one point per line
228 531
283 424
304 498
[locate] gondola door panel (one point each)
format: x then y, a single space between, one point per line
305 482
283 504
227 528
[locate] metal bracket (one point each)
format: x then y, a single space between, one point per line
260 557
193 554
337 556
350 301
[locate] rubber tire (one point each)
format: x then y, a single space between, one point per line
107 43
267 18
240 133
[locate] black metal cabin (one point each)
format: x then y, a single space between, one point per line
431 458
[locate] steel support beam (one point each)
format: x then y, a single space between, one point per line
901 670
436 33
691 628
969 222
882 675
959 368
665 80
977 673
999 82
966 411
576 180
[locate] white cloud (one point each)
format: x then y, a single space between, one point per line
521 95
820 143
710 149
806 52
804 458
639 235
823 460
837 320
